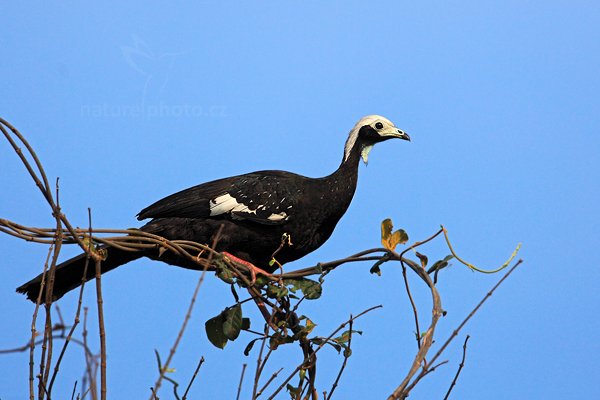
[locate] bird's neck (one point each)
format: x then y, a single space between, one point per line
351 160
345 178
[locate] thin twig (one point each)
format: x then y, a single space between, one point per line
259 363
187 389
319 348
33 328
239 390
62 336
102 332
427 338
462 324
89 372
477 307
271 379
412 303
460 367
347 353
405 278
77 312
47 344
187 316
162 370
74 390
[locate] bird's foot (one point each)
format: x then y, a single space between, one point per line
252 269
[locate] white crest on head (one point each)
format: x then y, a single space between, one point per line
353 135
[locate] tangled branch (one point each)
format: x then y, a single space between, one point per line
272 294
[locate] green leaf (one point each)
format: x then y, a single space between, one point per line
440 264
310 289
302 374
94 248
261 281
336 346
278 339
306 329
309 325
214 331
225 274
344 337
232 324
274 291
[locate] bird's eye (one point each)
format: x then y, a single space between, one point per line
379 125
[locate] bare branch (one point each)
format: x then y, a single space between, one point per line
347 353
425 371
186 318
77 312
306 359
460 367
262 389
239 390
187 389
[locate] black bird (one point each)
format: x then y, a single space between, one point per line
256 210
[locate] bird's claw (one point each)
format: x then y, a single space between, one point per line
252 269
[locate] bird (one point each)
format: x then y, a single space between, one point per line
252 212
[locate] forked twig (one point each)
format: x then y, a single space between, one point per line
346 356
408 387
306 359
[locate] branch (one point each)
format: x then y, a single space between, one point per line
186 319
239 390
460 367
424 372
347 353
427 340
306 359
187 389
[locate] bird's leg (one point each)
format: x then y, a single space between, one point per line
256 296
252 269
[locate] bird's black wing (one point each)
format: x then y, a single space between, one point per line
265 197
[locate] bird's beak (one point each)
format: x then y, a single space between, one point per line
400 134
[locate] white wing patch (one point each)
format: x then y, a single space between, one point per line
277 217
225 204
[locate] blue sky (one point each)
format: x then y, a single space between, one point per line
129 103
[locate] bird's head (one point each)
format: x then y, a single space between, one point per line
370 130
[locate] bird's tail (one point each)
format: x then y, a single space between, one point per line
69 274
